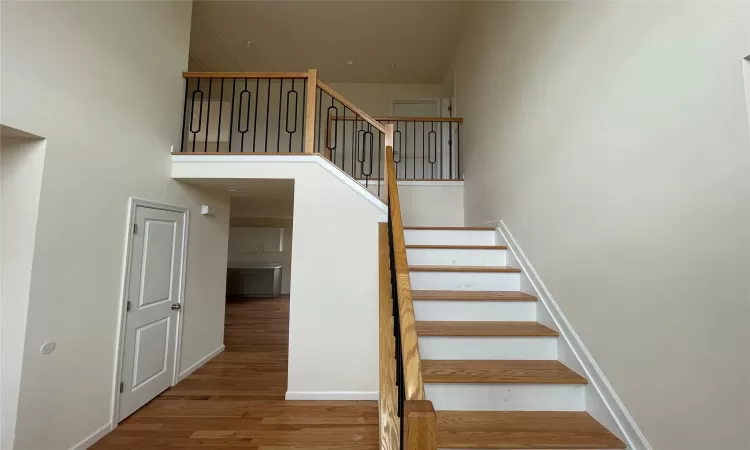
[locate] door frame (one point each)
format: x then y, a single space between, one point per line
133 203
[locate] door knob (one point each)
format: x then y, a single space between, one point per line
176 306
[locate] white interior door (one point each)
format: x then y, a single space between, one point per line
153 305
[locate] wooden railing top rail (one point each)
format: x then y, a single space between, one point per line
408 119
377 125
244 75
413 383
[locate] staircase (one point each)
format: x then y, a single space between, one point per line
490 370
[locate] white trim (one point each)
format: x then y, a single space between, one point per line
332 395
92 438
315 157
133 203
627 426
185 373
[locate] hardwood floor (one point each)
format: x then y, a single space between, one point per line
237 399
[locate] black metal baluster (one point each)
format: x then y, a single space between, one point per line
397 155
255 118
319 107
247 116
424 160
355 156
184 116
268 113
208 114
332 119
361 150
458 151
450 150
432 155
380 162
221 108
414 168
343 141
200 113
406 150
231 115
440 124
304 118
296 107
278 126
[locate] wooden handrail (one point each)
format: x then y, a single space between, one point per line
413 383
390 426
407 119
244 74
377 125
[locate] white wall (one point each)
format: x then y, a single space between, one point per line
429 203
101 81
21 162
375 98
612 138
333 323
240 218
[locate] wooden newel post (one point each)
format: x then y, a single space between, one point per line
420 425
388 154
312 87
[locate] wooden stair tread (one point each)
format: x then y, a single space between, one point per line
458 247
472 295
523 430
475 269
496 329
451 228
499 371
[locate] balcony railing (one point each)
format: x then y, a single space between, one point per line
295 112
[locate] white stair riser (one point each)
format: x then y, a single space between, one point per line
506 397
470 347
464 310
465 281
455 257
449 237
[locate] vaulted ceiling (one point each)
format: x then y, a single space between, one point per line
386 41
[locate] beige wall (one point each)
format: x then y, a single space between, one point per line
101 82
375 98
612 138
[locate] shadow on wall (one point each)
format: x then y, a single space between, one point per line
21 162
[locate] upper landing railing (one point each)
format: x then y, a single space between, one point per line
295 112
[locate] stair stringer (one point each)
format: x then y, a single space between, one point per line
602 403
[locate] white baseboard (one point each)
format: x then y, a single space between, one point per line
91 439
627 428
331 395
200 363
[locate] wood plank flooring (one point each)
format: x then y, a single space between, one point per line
237 399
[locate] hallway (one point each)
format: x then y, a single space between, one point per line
237 399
